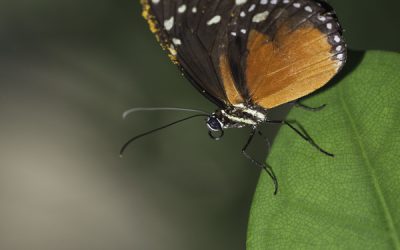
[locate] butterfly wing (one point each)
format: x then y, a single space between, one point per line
293 47
194 34
264 52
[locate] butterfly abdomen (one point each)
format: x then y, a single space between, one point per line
241 115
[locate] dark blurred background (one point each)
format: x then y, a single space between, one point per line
68 69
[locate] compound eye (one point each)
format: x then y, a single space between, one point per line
214 124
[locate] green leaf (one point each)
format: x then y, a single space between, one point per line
351 201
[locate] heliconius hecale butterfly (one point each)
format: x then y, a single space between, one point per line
248 56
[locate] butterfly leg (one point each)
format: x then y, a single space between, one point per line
266 167
305 107
303 135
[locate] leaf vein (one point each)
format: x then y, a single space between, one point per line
388 216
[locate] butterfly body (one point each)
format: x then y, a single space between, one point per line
240 116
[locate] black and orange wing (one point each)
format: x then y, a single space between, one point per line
264 52
287 49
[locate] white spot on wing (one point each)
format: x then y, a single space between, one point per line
297 5
177 41
169 23
322 18
339 48
243 31
252 7
194 10
155 1
340 56
233 33
216 19
242 14
329 26
240 2
337 38
274 1
182 8
308 9
264 2
260 16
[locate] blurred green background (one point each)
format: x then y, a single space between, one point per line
68 71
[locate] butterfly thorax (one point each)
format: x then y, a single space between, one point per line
237 116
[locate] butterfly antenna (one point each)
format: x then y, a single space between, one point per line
121 152
130 111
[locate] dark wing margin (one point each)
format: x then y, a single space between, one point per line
194 34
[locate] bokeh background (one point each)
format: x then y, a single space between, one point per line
68 69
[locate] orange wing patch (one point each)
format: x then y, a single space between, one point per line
233 95
291 66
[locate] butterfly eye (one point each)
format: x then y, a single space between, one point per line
213 124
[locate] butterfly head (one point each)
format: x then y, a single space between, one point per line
215 125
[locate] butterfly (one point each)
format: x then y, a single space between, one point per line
249 56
